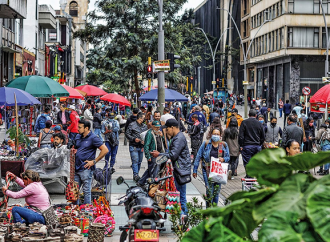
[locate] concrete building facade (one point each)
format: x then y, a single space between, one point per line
288 52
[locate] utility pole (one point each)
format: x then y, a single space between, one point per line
149 78
161 56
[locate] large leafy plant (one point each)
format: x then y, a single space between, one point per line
289 206
21 137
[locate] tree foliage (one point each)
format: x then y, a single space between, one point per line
124 33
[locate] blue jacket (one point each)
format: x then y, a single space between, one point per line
213 115
201 117
287 108
115 126
204 152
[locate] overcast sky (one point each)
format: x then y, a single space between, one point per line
56 4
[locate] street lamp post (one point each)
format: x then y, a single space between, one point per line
245 54
213 53
161 56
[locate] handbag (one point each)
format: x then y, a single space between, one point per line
72 189
49 214
218 171
182 179
173 195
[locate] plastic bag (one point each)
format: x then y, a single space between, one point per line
218 171
50 163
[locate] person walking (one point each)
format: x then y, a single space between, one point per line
195 135
63 117
287 110
132 118
280 106
88 115
154 140
74 119
268 115
136 144
251 136
45 136
323 137
41 121
292 131
230 136
166 116
309 134
179 155
234 114
110 128
214 114
86 144
97 123
273 131
217 149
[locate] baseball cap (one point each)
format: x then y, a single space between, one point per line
156 123
235 110
112 115
57 128
72 107
172 122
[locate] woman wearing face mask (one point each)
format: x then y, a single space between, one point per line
261 119
292 148
213 148
273 131
309 134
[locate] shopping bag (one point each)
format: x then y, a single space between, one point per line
218 171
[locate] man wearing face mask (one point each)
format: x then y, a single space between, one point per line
195 135
273 131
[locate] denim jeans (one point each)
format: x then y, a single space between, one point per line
25 215
136 157
326 148
150 172
281 110
45 146
72 136
210 189
112 152
233 163
98 133
183 199
84 178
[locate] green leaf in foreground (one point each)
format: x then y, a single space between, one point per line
318 210
290 196
269 167
254 196
211 230
308 160
285 227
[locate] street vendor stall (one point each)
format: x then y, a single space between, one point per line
91 90
320 102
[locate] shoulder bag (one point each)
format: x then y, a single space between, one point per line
49 214
72 189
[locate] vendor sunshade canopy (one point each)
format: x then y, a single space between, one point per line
7 97
170 96
73 92
91 90
116 98
39 86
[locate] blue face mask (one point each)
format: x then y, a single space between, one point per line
261 121
215 138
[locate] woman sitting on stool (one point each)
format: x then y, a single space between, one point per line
35 195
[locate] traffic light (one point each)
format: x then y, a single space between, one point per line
149 72
172 59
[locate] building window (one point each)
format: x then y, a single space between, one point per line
316 37
266 47
273 41
290 44
316 6
282 37
73 9
290 5
276 39
303 37
324 38
325 6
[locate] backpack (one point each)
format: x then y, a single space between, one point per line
112 137
42 122
325 135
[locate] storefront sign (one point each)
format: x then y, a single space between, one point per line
163 65
319 108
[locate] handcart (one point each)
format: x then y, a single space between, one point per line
248 183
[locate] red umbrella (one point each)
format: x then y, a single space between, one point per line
319 99
116 98
73 92
91 90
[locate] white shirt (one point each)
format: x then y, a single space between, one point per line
166 117
258 102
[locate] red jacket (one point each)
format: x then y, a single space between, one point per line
74 118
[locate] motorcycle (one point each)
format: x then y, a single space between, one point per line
145 220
